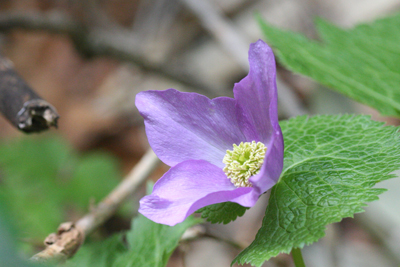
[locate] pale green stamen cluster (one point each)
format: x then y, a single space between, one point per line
244 161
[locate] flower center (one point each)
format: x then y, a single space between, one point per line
244 161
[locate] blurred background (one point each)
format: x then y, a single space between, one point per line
90 58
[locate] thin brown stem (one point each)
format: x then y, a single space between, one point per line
64 244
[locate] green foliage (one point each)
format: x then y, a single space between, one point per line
99 254
8 253
95 175
149 245
41 178
225 212
331 164
361 63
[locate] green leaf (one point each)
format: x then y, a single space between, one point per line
99 254
41 178
93 178
361 63
8 254
151 244
225 212
29 187
331 164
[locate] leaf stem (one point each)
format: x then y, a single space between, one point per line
297 257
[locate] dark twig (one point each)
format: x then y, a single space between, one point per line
199 231
20 104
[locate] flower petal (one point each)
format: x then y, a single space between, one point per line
272 166
257 111
189 186
256 95
182 126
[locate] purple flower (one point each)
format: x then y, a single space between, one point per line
219 150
